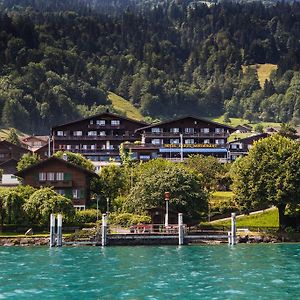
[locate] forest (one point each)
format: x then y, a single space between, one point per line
59 59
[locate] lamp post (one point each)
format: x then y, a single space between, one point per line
181 147
107 206
97 198
167 198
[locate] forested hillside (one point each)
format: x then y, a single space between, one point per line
59 59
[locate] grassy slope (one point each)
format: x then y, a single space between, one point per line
125 106
221 196
4 133
263 71
268 218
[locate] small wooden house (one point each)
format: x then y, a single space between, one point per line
68 179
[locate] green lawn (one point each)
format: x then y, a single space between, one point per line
221 196
125 106
268 218
4 133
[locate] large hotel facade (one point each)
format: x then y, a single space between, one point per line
99 137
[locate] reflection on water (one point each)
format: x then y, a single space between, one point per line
186 272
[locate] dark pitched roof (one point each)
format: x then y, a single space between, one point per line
186 117
54 158
9 144
251 138
101 115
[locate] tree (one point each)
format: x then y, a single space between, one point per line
27 160
209 167
259 128
154 178
76 159
269 175
45 201
288 131
110 184
13 137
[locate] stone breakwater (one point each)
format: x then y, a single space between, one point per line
24 241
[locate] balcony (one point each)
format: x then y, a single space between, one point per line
123 137
223 135
93 152
56 183
106 126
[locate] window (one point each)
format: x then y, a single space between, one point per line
174 130
84 147
156 130
91 122
51 176
100 122
220 142
233 146
76 193
207 141
204 130
115 122
69 147
155 141
60 176
79 207
174 141
189 130
92 133
189 141
42 176
60 133
102 133
60 191
219 130
93 147
77 133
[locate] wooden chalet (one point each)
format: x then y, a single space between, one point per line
9 151
9 168
98 137
68 179
34 142
241 147
182 137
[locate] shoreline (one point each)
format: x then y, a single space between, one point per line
140 241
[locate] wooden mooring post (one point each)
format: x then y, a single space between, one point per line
55 235
232 234
180 229
104 230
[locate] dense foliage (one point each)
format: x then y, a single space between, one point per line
154 178
27 160
76 159
59 59
45 201
269 175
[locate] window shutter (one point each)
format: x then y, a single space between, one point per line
69 193
36 176
82 193
67 176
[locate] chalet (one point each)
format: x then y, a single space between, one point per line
98 137
67 179
34 142
241 147
177 139
9 151
9 168
245 128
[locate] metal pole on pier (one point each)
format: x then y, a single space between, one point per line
104 230
52 230
180 230
59 230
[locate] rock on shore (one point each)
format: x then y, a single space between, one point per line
24 241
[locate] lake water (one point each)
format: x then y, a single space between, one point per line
188 272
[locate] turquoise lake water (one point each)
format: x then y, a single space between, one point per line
188 272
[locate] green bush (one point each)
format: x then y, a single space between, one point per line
128 219
86 216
